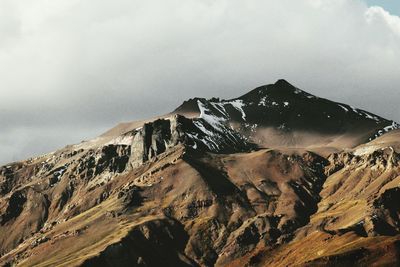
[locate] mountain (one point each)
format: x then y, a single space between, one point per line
283 115
276 177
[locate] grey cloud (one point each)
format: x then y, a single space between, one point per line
72 69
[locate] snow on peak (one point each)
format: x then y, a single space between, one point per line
297 91
238 104
263 101
344 108
212 128
215 121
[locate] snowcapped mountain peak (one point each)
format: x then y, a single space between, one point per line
275 115
285 114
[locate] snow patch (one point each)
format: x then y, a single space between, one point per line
344 108
206 140
363 113
238 104
214 130
194 146
369 116
393 126
354 109
220 108
59 173
201 127
214 121
263 101
297 91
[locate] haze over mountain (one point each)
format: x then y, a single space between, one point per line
275 177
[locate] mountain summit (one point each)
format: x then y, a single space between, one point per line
281 114
275 177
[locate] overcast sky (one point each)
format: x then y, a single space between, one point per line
71 69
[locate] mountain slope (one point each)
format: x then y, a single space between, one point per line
358 218
264 179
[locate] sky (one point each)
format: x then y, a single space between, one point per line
392 6
71 69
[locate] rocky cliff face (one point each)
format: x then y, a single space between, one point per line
153 139
272 178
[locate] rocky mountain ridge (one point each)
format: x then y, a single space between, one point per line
214 183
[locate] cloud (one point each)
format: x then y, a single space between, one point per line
71 69
377 15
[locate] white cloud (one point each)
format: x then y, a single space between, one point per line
376 15
94 63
